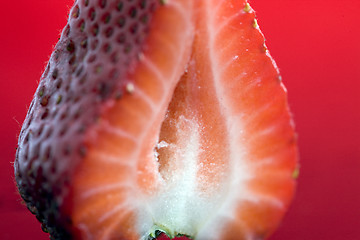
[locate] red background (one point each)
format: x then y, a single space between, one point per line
315 44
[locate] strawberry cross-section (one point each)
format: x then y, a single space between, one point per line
159 116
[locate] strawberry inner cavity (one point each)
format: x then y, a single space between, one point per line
191 184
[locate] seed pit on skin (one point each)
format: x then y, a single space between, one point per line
67 88
76 12
121 21
143 4
30 174
106 18
58 100
49 132
27 137
59 83
84 43
114 57
45 114
133 29
98 69
109 32
81 129
78 113
127 48
94 44
64 114
67 31
40 130
63 130
76 99
144 19
72 59
82 25
67 150
119 5
44 101
54 113
44 228
56 55
114 73
55 73
92 14
35 152
107 48
102 3
53 167
82 80
26 155
121 38
95 30
70 47
86 3
79 71
47 154
41 91
132 12
103 90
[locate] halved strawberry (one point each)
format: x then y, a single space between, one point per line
157 117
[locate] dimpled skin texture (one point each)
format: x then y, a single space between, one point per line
98 46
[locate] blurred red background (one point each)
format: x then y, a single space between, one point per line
316 45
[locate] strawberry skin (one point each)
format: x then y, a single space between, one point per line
87 69
158 116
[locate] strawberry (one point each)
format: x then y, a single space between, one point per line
158 116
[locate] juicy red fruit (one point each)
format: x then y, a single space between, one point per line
158 117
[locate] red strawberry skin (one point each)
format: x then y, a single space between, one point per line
98 46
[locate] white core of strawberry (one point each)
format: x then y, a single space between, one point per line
180 207
171 207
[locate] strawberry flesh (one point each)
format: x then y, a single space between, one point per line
156 116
